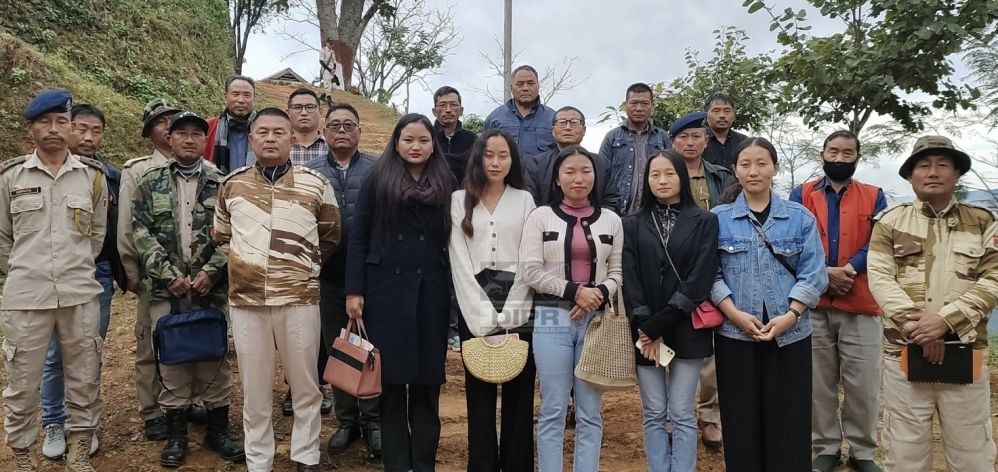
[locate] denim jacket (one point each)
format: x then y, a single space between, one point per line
751 276
532 133
618 148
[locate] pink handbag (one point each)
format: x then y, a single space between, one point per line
707 316
352 368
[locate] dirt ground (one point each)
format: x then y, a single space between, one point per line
123 448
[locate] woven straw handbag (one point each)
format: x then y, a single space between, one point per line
607 360
495 363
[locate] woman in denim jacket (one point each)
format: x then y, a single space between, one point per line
772 270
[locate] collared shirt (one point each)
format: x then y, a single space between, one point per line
303 153
723 154
239 155
532 132
187 193
131 174
51 231
701 191
640 159
834 199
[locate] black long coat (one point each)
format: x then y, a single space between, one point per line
656 302
404 279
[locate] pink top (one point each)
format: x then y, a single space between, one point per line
581 258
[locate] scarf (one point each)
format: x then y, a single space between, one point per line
228 122
188 170
416 193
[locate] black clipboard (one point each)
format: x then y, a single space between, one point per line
961 365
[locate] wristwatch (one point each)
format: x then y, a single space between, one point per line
796 313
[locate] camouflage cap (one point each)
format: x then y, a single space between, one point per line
939 145
154 109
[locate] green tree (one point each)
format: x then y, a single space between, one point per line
474 123
730 70
981 56
888 51
247 15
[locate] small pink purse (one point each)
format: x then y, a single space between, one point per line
707 316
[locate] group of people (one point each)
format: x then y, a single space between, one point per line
276 217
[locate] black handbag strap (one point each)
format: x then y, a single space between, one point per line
779 257
665 245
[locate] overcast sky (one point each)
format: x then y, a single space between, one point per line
617 43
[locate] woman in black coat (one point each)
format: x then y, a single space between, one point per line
397 282
661 290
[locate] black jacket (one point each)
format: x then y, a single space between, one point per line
109 251
405 280
657 302
456 149
538 170
346 188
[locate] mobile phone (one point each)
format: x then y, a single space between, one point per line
665 353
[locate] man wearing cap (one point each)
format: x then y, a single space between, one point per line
722 140
174 209
51 230
277 223
87 124
228 134
155 127
628 146
933 268
708 182
847 338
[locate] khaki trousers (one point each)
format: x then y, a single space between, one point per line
26 341
710 410
847 351
261 335
964 415
209 381
147 387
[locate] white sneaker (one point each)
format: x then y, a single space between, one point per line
94 444
54 446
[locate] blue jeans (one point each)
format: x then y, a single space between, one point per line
53 386
670 393
558 343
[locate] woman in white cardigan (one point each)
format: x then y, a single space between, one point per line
488 218
571 255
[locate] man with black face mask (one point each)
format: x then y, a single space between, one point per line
847 325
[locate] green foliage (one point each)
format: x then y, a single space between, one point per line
730 70
116 55
474 123
887 51
981 56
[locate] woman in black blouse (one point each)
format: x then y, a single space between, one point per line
670 260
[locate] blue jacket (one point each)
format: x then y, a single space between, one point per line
752 277
618 148
532 133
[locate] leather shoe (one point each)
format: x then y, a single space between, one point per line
307 468
287 407
711 435
863 465
342 439
372 436
825 463
197 414
155 429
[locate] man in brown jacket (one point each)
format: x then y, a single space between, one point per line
277 223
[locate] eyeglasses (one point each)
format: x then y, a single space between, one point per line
309 108
346 126
574 122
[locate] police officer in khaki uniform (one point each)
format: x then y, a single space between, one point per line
155 127
933 268
51 230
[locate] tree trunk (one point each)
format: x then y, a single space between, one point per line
346 28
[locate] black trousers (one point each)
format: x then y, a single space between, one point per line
765 398
515 451
410 427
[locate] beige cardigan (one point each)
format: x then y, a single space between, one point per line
546 246
495 245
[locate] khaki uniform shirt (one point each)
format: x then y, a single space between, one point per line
131 175
946 265
51 231
701 191
187 193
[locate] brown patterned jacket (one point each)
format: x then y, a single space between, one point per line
276 236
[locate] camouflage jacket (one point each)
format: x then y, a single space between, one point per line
156 227
946 265
276 235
